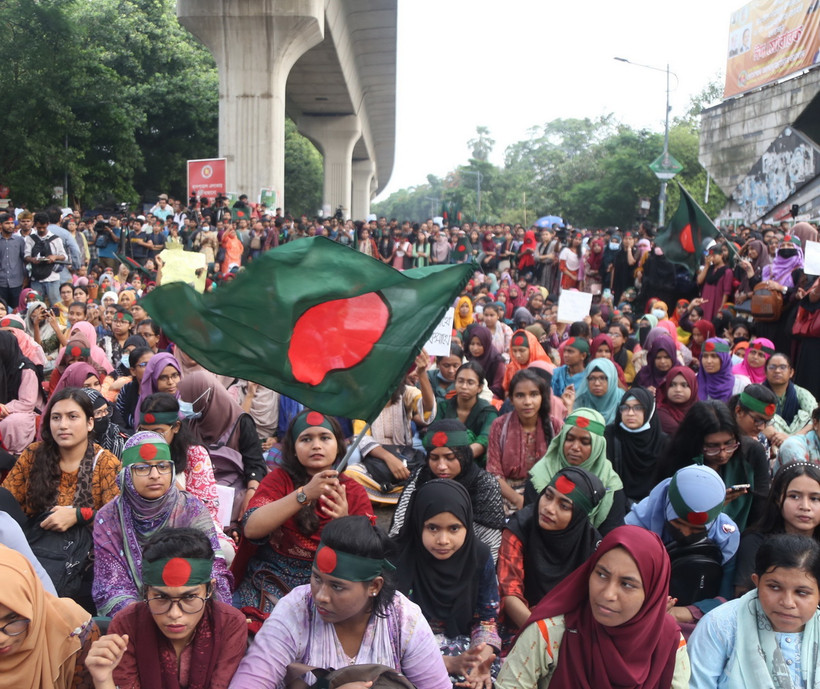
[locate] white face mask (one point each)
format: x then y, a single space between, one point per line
614 246
187 408
125 360
660 314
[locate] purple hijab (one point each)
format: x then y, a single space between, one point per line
148 386
716 386
780 269
649 376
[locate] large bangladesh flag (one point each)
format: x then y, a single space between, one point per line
682 240
314 320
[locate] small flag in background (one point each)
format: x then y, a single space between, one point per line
682 240
314 320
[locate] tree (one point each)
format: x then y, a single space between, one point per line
303 173
482 145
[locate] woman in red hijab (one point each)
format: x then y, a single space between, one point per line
614 610
701 331
526 260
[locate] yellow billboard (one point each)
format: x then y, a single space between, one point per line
770 39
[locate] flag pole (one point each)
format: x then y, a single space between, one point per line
352 447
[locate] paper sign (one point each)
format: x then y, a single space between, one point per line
225 494
811 256
573 306
181 266
439 342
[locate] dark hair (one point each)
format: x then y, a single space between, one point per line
475 367
545 408
624 330
456 350
151 324
704 418
136 354
44 475
758 392
5 216
492 306
357 536
40 218
784 355
789 551
771 520
579 329
120 309
67 284
182 440
177 542
307 520
80 304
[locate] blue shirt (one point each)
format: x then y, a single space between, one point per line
12 266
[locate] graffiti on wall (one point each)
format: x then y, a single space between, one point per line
791 162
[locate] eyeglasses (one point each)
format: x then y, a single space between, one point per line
15 627
777 367
758 422
189 603
164 467
715 450
630 408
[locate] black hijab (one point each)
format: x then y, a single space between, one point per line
635 454
12 364
445 590
549 556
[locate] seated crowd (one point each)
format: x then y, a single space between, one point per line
632 499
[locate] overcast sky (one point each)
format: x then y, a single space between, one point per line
516 64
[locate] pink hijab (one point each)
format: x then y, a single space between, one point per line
90 334
756 375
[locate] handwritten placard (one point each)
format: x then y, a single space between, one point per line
439 342
573 306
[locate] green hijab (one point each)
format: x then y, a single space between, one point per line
552 462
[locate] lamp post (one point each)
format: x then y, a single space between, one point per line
665 155
478 179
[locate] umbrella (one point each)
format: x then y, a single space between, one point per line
548 221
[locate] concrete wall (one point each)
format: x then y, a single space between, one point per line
736 133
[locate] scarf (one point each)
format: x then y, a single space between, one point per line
219 413
759 659
672 414
707 330
491 358
597 463
47 657
550 556
149 644
12 364
460 322
537 353
714 275
106 432
780 269
639 653
526 253
445 590
597 341
649 375
607 404
594 259
75 376
763 259
156 365
639 448
716 386
756 375
788 407
83 330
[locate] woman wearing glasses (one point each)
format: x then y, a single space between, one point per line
43 639
709 435
177 634
149 502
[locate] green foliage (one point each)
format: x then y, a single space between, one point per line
303 173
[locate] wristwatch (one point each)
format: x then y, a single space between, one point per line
301 497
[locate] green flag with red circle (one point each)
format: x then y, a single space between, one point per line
682 240
314 320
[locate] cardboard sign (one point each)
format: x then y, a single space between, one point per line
811 258
181 266
439 342
573 306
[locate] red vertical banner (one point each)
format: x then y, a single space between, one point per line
206 177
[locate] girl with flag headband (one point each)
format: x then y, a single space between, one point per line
753 410
753 365
546 541
178 634
716 381
350 613
445 569
581 443
149 501
614 610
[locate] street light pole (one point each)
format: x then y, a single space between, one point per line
662 197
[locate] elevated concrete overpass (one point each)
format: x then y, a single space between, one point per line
330 65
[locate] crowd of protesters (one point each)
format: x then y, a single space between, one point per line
630 499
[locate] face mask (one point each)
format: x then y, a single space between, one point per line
614 246
100 427
682 540
643 332
126 360
787 253
187 408
659 314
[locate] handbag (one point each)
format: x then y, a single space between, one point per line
255 616
382 676
767 306
807 323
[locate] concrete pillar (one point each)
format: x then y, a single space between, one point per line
363 171
255 43
335 136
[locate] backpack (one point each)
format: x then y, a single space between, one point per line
42 247
697 571
767 306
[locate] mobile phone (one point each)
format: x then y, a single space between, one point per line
55 310
739 487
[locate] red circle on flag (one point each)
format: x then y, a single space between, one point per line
582 422
76 351
697 518
439 439
770 409
564 485
314 418
709 347
5 322
570 342
150 418
148 451
326 560
686 239
176 572
461 247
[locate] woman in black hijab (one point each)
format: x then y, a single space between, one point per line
449 573
635 442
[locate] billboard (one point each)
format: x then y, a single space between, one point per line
790 163
206 177
768 40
